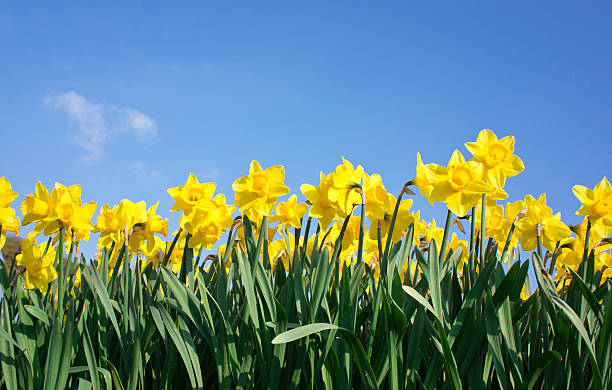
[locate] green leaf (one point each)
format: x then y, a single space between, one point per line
575 320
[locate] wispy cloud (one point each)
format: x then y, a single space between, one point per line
143 169
96 123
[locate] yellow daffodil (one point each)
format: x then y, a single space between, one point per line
256 194
290 213
207 221
322 207
112 223
455 244
597 205
8 221
9 226
7 195
146 230
494 222
376 197
424 174
460 185
553 229
39 270
342 190
496 156
403 220
189 195
60 208
434 232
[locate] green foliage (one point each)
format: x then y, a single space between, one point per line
235 321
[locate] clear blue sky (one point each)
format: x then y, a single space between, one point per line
127 98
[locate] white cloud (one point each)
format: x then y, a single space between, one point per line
97 123
143 169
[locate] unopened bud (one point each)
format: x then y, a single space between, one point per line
457 222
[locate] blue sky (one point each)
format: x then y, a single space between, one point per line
127 98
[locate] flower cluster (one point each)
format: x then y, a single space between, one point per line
461 183
527 224
205 215
8 221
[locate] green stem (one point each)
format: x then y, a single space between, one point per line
508 241
60 280
449 214
482 229
539 237
472 234
585 254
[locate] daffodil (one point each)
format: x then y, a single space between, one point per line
597 205
145 231
460 185
189 195
257 193
112 223
496 156
9 225
455 244
376 197
343 189
434 233
7 195
322 207
424 174
290 213
494 222
208 221
552 229
39 270
8 221
60 208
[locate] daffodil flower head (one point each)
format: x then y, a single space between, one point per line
597 205
191 194
290 213
257 193
8 221
343 189
7 195
425 174
496 155
39 270
552 229
459 185
323 208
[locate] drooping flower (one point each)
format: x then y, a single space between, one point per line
257 193
496 155
597 205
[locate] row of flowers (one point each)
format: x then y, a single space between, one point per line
462 185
